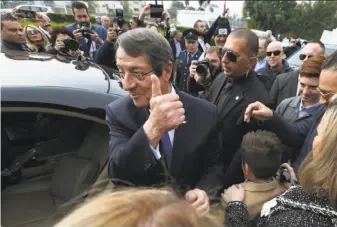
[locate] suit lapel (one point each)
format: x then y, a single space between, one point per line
180 145
294 83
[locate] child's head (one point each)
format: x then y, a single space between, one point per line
261 155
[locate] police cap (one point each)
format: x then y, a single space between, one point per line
190 34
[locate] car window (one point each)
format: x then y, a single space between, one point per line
36 9
25 8
54 154
294 60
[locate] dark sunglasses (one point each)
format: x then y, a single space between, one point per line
303 56
274 53
232 56
33 32
292 42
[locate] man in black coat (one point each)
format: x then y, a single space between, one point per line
158 134
177 44
235 88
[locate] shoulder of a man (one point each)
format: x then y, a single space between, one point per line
119 107
72 26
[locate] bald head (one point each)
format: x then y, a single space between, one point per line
311 49
274 45
275 56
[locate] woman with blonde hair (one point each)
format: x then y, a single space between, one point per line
136 208
314 202
36 40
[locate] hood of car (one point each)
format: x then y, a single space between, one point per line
19 68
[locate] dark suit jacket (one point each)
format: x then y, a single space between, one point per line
173 47
231 112
195 162
285 86
106 55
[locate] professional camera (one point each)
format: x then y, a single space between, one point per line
285 175
202 67
70 44
85 29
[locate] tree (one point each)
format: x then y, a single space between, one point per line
175 6
126 7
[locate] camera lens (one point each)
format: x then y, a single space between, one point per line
201 69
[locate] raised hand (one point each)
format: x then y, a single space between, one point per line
166 113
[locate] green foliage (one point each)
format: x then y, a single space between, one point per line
305 19
63 18
126 7
175 6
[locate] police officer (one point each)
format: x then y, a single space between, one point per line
186 57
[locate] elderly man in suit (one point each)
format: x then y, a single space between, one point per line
158 134
286 85
186 57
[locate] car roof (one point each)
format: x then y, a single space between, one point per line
44 70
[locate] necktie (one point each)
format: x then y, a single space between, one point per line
166 148
189 58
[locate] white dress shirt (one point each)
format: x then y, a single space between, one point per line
156 151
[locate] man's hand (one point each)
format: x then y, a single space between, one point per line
95 37
258 111
15 14
166 113
194 74
111 36
59 44
234 193
78 34
146 10
199 200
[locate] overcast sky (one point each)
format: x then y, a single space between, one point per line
235 7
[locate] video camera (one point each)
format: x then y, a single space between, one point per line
203 66
85 29
70 44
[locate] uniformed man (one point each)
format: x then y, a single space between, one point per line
186 57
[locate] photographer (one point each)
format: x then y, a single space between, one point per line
64 43
106 53
202 73
90 37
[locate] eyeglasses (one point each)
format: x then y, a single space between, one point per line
33 32
304 56
274 53
293 42
137 75
82 16
326 94
232 56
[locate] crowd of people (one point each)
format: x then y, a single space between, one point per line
217 129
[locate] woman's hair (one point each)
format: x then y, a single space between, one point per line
33 47
320 172
60 30
313 66
136 207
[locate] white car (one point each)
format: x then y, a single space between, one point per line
36 8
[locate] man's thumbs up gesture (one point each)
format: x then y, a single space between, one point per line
166 113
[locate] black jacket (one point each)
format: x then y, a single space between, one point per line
285 86
231 112
195 162
268 77
106 55
209 34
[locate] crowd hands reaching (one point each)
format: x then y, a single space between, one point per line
219 116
